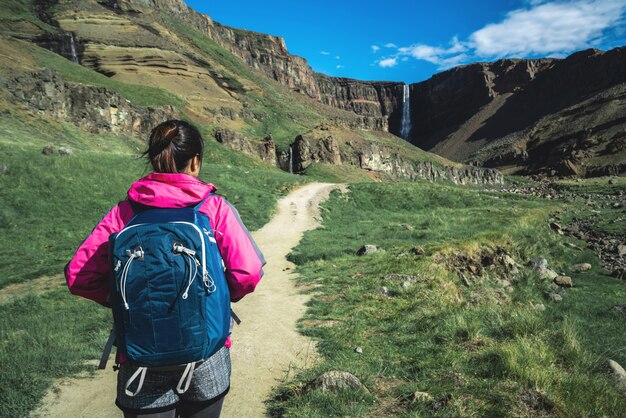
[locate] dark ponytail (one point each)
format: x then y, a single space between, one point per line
172 145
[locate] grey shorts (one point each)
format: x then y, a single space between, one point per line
211 381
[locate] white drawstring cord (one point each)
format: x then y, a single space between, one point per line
138 253
193 265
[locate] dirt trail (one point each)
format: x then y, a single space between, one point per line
266 346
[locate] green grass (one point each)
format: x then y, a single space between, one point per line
16 10
43 338
50 203
478 350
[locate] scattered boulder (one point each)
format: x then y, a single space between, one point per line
384 291
613 180
621 308
504 283
540 307
621 250
336 380
406 284
555 297
358 350
538 264
549 274
620 273
407 227
64 152
556 228
418 250
563 281
47 150
582 267
618 373
369 249
421 397
510 264
3 168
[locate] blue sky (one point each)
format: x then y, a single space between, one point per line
402 40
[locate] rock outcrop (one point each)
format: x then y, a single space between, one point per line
93 109
383 160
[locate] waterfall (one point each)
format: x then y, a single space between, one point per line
73 49
406 112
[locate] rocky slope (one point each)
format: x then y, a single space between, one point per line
562 117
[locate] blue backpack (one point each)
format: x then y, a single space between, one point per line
170 300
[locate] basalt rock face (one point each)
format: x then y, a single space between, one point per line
384 160
93 109
562 117
441 104
266 150
377 100
269 55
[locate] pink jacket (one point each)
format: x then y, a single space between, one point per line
87 274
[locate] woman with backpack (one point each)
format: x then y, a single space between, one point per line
145 259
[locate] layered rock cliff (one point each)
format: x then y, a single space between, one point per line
93 109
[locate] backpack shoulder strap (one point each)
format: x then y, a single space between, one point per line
137 207
199 204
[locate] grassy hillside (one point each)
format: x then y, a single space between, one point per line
488 348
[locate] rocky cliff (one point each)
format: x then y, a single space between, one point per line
527 116
93 109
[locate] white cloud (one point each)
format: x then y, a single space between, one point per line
542 28
391 45
388 62
337 57
548 28
375 48
324 52
340 66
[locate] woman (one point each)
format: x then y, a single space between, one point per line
175 151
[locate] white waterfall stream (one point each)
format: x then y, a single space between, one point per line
73 49
405 130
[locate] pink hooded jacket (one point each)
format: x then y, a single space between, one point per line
87 274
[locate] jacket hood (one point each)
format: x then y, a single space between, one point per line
169 190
